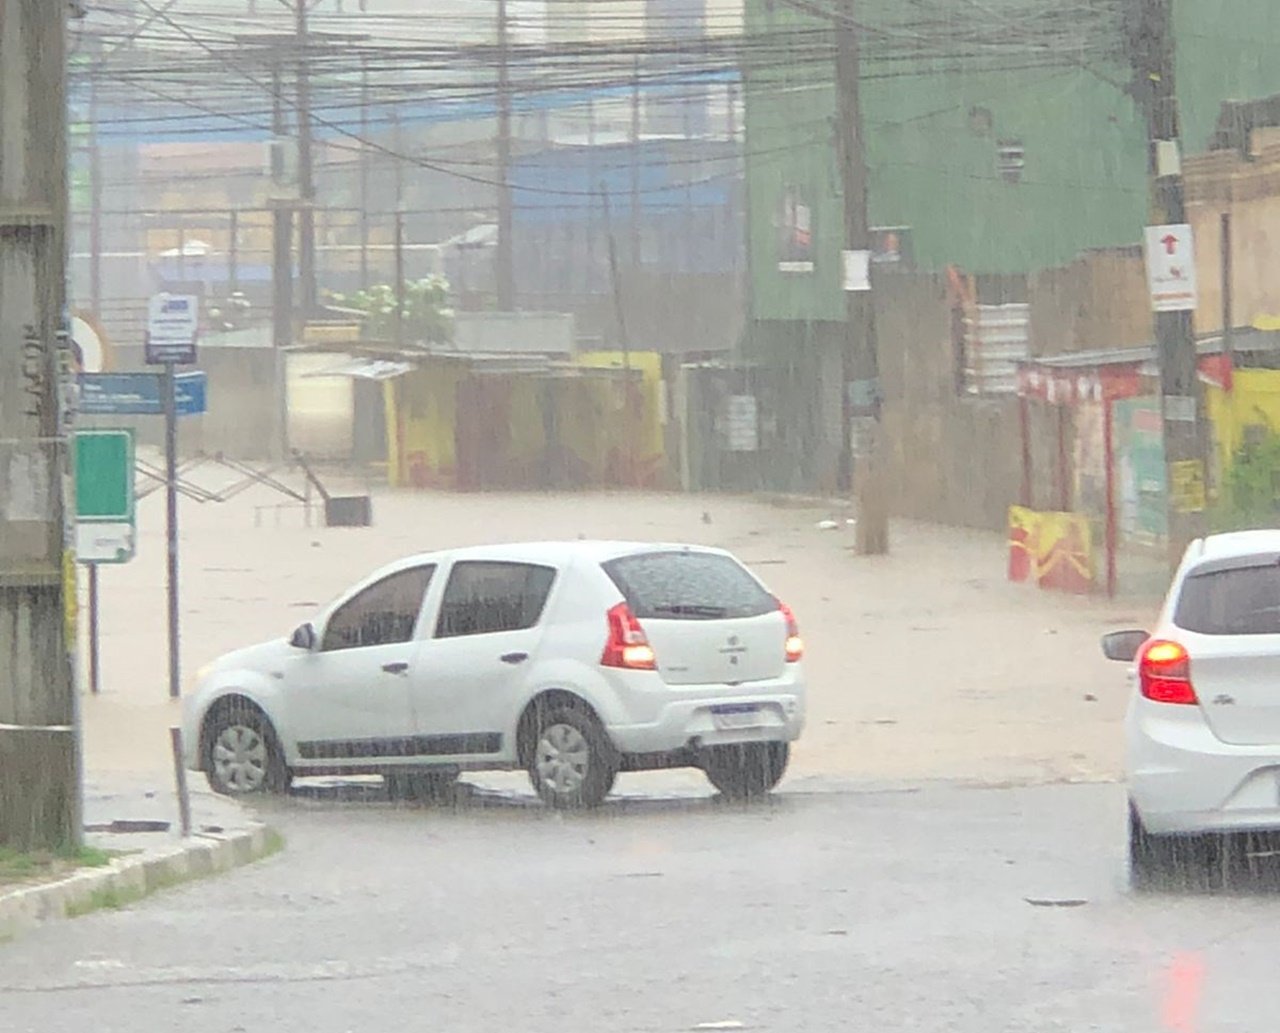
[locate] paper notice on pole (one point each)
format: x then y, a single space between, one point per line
1171 268
27 497
857 270
1187 486
741 423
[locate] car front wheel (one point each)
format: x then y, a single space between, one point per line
242 755
748 770
573 764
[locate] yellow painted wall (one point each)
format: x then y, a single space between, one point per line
608 443
1254 401
646 431
421 407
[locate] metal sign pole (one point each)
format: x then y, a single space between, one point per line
94 681
171 521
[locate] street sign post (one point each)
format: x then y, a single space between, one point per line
141 394
1171 268
105 514
170 394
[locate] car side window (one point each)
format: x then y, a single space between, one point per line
482 598
384 613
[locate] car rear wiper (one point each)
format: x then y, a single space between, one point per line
692 610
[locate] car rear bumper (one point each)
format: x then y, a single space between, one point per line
715 721
1183 779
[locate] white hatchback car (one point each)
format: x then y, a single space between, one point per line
573 661
1203 727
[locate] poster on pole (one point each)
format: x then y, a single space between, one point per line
173 322
1171 268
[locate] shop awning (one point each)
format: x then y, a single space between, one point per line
1108 375
367 369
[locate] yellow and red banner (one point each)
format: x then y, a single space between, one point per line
1054 549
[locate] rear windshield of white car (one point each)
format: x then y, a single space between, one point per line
688 586
1243 600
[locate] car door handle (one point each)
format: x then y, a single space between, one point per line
515 658
399 667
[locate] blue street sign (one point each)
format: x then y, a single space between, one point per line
141 394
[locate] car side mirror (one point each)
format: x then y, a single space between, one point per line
1123 646
304 638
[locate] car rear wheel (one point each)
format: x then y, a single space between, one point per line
1172 862
242 755
573 764
748 770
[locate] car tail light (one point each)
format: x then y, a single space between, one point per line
1164 673
628 646
795 644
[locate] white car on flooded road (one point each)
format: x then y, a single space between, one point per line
573 661
1203 727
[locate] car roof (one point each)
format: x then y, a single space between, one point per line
552 553
1235 544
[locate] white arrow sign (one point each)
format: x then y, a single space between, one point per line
1171 268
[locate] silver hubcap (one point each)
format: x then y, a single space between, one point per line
240 758
563 756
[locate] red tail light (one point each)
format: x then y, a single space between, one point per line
628 646
1164 673
795 644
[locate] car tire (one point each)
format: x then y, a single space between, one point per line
1172 862
748 770
242 754
572 763
420 786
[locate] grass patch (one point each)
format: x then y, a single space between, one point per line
274 843
106 898
33 868
41 865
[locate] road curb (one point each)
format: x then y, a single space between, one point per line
129 879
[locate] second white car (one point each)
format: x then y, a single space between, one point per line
1203 727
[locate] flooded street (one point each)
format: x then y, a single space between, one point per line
944 909
915 869
925 665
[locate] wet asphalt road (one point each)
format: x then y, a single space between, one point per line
879 911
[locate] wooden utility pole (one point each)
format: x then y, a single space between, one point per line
282 202
309 295
505 265
1182 397
39 735
635 164
364 172
861 471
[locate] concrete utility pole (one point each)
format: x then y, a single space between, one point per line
860 397
39 736
96 71
1182 397
505 265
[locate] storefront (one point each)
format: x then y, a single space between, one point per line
1109 479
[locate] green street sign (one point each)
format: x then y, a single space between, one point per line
104 475
103 464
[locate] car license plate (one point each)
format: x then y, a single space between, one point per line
729 718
